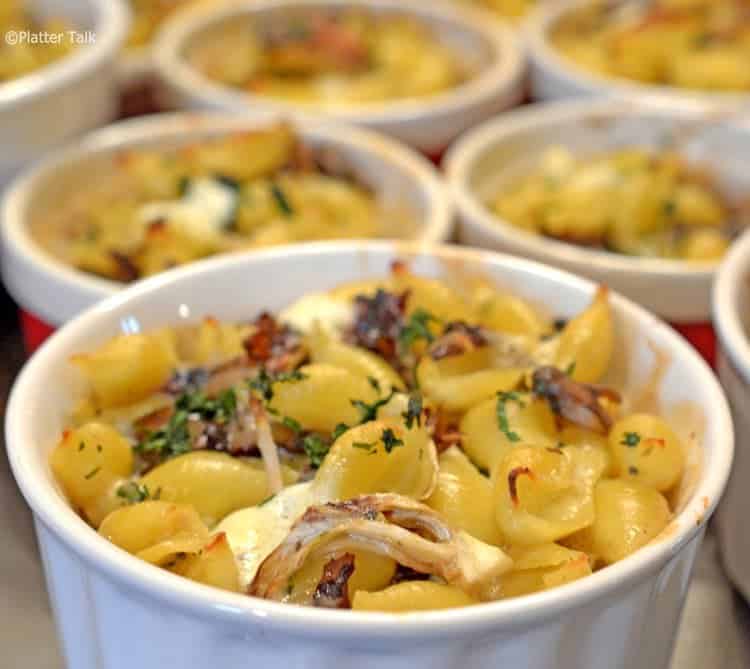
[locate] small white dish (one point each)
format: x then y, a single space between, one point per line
554 76
55 292
487 158
78 93
731 310
623 616
428 124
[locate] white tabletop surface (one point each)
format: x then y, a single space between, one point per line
715 631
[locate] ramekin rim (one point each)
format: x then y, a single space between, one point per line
732 334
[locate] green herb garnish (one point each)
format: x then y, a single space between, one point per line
365 446
631 439
374 383
316 448
502 417
417 328
390 440
174 438
369 412
133 492
266 500
92 473
413 413
293 425
339 430
570 369
263 383
281 200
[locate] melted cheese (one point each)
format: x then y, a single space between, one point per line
331 314
255 532
203 212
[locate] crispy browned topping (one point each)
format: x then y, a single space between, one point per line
126 269
458 337
152 421
577 402
445 432
513 481
275 346
378 322
332 591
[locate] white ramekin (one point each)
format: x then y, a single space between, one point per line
554 76
115 611
55 292
504 148
68 97
428 124
732 320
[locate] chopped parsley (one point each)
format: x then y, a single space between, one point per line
417 328
92 473
669 207
363 445
339 430
134 492
263 383
570 369
282 200
631 439
390 440
413 413
502 417
266 500
374 383
174 438
369 412
293 425
81 446
316 448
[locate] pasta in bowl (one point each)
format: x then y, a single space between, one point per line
172 189
469 419
646 200
421 72
684 54
380 488
17 60
50 65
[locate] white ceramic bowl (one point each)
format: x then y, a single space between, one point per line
732 321
104 599
68 97
553 76
428 124
501 150
55 292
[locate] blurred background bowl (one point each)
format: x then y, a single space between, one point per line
54 292
429 123
554 76
492 156
75 94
